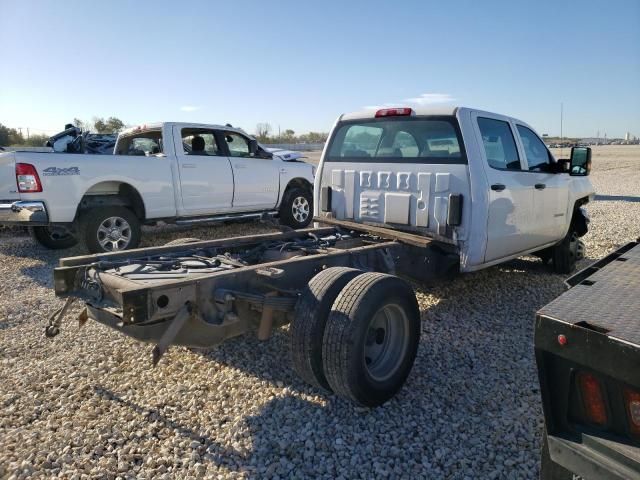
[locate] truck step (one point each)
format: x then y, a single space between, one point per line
224 218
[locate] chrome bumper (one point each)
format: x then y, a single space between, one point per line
22 212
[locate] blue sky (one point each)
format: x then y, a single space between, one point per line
300 64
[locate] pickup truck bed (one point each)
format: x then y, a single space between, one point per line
593 329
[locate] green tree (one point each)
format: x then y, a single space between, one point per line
288 136
111 125
10 136
115 125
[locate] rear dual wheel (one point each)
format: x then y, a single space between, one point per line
363 346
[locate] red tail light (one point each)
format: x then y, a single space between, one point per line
394 112
27 178
592 398
632 403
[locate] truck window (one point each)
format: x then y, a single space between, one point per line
238 144
140 144
199 141
416 140
535 150
499 144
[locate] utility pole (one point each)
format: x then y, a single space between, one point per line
27 133
561 134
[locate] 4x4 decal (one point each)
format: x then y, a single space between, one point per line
51 171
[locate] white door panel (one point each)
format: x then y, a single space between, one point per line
206 181
257 182
512 221
551 190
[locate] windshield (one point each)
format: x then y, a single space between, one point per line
400 139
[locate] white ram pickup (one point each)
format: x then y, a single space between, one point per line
172 172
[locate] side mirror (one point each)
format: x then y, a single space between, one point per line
256 151
580 161
253 147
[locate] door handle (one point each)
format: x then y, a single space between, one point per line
498 187
188 165
240 165
540 186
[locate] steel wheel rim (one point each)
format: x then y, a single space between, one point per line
300 209
114 233
576 248
386 343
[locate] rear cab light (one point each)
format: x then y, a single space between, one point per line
27 178
394 112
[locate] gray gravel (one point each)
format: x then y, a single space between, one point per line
87 404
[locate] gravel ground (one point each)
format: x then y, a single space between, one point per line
88 404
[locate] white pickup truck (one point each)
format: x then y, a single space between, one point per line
175 172
412 169
399 193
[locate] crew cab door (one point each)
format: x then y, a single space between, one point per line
551 190
511 227
257 180
206 179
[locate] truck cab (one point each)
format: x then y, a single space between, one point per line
481 182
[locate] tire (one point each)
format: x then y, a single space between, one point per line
182 241
565 254
54 238
371 339
97 222
296 210
310 317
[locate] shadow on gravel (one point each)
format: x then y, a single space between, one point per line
218 452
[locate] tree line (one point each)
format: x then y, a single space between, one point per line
264 134
12 137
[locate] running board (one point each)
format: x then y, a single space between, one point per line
224 218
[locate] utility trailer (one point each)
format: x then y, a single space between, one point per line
587 346
355 325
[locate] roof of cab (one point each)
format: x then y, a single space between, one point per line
159 125
419 111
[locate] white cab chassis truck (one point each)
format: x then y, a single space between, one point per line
399 194
173 172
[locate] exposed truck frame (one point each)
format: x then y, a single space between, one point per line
587 345
199 294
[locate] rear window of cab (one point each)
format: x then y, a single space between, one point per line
398 140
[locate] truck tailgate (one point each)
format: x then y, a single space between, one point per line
8 186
